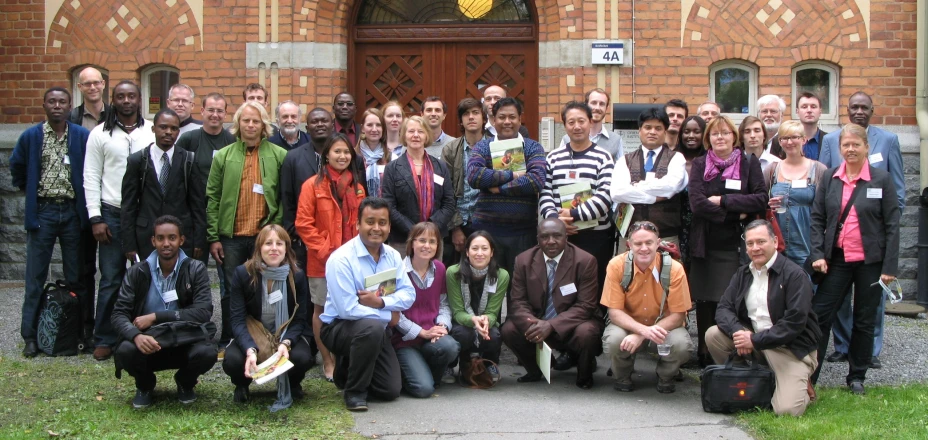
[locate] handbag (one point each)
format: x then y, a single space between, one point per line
266 342
731 388
474 374
59 327
771 217
181 333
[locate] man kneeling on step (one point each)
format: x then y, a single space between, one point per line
767 311
648 296
168 286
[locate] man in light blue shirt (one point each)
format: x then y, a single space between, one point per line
355 320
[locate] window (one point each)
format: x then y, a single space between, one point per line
156 82
76 97
822 80
443 11
733 86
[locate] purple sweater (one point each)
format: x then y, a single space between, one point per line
425 309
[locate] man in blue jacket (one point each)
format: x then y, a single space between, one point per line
48 164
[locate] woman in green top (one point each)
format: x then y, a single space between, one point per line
476 289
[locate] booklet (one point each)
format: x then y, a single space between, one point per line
574 195
508 155
543 358
271 368
384 283
623 217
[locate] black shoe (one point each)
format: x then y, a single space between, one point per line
241 394
837 357
665 386
704 360
530 377
142 399
355 403
31 349
296 391
857 387
564 362
875 363
585 384
679 377
186 395
624 385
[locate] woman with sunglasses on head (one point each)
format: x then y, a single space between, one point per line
690 145
423 346
727 191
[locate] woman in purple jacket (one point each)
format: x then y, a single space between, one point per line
727 191
423 346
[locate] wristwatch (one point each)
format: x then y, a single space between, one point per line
251 351
286 343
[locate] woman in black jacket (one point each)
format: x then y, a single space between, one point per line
417 186
854 246
271 290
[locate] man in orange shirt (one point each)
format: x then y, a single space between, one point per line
641 316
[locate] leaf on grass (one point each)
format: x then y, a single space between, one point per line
100 398
100 392
374 436
52 433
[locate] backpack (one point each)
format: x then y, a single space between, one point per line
146 155
629 273
60 330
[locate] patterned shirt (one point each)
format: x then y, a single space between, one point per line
252 207
55 175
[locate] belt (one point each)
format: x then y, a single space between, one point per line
55 200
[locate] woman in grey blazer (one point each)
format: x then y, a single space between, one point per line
855 242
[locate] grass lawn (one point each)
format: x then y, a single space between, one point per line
897 413
52 398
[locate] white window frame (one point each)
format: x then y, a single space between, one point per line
830 115
146 72
76 97
752 86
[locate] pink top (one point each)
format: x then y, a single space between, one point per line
849 238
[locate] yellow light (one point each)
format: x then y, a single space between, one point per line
741 393
475 8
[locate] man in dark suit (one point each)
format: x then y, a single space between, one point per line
554 300
767 310
161 180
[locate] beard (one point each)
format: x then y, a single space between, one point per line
289 131
772 127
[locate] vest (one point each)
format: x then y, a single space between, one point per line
666 215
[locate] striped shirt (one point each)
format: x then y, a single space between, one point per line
252 206
565 167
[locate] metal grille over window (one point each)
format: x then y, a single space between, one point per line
443 12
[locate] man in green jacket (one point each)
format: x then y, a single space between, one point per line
241 194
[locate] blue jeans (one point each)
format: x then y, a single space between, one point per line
422 366
844 321
112 270
56 221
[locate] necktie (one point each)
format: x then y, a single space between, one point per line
549 310
165 169
649 164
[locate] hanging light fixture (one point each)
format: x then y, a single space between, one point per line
475 8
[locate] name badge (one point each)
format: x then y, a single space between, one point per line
571 174
274 297
438 179
799 183
258 188
734 184
67 160
380 169
650 176
214 152
876 158
169 296
874 193
568 289
491 288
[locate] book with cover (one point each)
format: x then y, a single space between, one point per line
623 217
508 155
543 358
384 283
574 195
271 368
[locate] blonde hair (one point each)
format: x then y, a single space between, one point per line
421 121
265 119
713 125
791 127
854 130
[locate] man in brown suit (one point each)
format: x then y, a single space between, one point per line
554 300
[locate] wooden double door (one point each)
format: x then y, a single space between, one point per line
411 72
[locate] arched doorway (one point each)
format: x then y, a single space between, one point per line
409 50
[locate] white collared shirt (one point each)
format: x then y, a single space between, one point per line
648 190
105 163
756 299
557 260
156 158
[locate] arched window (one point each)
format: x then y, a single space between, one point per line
820 79
733 85
156 82
77 98
443 12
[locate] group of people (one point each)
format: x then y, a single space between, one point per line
306 226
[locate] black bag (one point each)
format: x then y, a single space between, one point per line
59 332
181 333
729 388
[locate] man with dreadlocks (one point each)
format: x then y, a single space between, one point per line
124 132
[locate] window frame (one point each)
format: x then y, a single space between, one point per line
832 114
77 98
145 85
752 86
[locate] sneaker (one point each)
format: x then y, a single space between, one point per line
241 394
665 386
857 387
448 376
493 372
624 385
186 395
142 399
837 357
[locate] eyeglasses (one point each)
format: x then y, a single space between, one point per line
790 138
720 134
215 111
425 241
185 102
91 84
646 225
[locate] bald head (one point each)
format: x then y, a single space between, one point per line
90 82
491 95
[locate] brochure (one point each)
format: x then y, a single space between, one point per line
384 283
543 358
271 368
507 155
623 217
574 195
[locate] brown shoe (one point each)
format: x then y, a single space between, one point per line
811 390
102 353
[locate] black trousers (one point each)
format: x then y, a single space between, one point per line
88 282
585 339
364 358
466 336
827 300
300 355
599 244
190 361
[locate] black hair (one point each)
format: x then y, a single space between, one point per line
464 268
761 223
654 113
506 102
373 203
168 219
335 99
57 89
353 165
110 123
166 111
444 107
678 103
576 105
464 106
690 154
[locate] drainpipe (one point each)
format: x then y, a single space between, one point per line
921 116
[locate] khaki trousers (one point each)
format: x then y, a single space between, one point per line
792 375
623 362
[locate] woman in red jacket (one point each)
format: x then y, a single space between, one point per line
326 218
